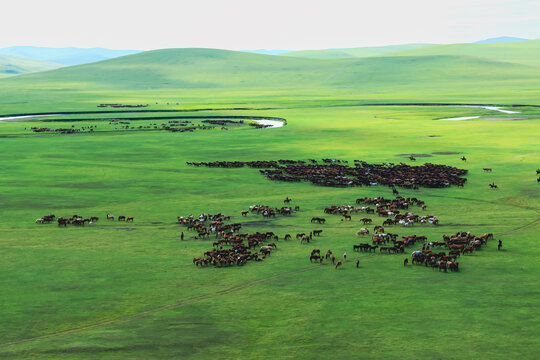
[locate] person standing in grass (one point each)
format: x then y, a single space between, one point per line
357 263
182 236
499 247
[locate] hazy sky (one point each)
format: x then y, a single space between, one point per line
268 24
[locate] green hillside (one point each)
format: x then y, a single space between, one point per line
353 52
15 65
209 68
520 51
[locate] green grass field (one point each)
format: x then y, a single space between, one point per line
130 290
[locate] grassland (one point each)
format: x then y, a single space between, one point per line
131 291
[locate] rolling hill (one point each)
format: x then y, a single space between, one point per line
353 52
210 68
65 56
526 52
15 65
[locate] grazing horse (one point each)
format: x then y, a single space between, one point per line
333 259
244 213
463 158
362 231
493 186
366 220
287 200
339 263
287 237
121 218
110 217
443 266
405 262
328 254
130 218
347 217
317 232
468 249
487 169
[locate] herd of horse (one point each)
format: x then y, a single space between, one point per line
243 245
233 247
78 220
458 244
338 173
386 208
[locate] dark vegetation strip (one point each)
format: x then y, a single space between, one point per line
172 118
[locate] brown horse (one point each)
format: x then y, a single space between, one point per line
339 263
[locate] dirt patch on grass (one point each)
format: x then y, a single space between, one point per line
415 155
446 153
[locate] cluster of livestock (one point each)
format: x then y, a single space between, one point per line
386 208
258 164
334 173
122 106
268 211
126 124
243 246
458 244
78 220
71 130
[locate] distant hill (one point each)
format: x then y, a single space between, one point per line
525 52
268 52
65 56
15 65
353 52
211 68
501 39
